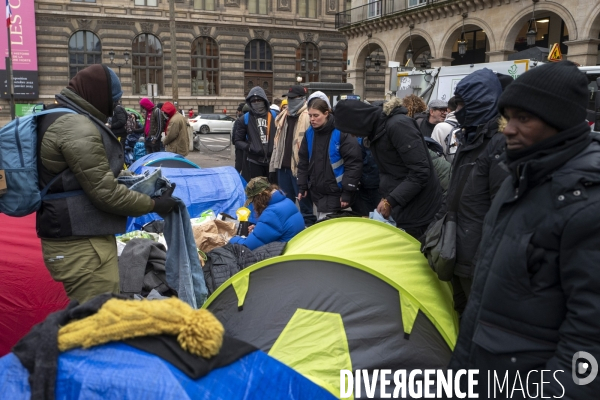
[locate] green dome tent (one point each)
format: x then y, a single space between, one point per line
348 293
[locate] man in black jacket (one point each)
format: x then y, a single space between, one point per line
118 124
239 154
476 175
407 180
534 303
255 138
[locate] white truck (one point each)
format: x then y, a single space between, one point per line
439 83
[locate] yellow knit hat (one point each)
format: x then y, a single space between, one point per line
197 331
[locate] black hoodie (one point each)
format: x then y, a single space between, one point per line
407 177
256 138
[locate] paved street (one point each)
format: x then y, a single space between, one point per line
212 152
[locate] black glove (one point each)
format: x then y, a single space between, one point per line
165 203
273 178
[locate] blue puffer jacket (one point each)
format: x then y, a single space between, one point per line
279 222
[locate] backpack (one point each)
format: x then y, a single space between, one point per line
19 167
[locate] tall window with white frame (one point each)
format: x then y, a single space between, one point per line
206 5
147 63
307 8
85 49
258 6
205 67
152 3
308 62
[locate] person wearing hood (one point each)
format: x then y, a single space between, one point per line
408 184
476 173
291 124
534 304
441 132
255 136
118 123
176 133
329 163
79 160
153 126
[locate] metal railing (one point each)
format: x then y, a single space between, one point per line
377 9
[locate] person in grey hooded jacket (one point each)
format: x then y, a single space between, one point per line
255 135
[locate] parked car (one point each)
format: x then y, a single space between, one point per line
206 123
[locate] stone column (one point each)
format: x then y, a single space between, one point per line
357 79
441 62
500 55
583 52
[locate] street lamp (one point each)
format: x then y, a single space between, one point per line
299 79
409 52
532 30
111 55
462 43
377 62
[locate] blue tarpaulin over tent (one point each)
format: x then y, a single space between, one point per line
117 371
154 159
220 189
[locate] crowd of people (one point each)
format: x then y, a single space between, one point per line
511 166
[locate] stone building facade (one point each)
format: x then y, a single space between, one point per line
494 29
223 46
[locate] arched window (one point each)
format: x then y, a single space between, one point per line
147 63
308 62
258 66
85 49
205 67
258 56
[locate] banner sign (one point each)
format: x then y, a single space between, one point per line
24 51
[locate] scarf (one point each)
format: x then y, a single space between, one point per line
294 105
538 161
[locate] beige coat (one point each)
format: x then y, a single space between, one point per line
177 139
279 141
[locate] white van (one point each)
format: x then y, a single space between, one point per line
439 83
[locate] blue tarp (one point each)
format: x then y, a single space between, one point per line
116 371
137 166
220 189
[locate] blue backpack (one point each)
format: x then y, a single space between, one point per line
18 166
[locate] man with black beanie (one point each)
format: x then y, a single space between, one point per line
534 303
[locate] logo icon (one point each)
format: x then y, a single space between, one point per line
584 362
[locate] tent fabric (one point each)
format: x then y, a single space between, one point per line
394 311
391 254
27 292
152 158
117 371
321 365
220 189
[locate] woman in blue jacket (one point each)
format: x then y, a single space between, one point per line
279 220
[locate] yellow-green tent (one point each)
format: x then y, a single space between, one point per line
347 293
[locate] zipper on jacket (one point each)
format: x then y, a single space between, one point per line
18 140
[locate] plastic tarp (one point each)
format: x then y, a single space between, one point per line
117 371
27 292
220 189
136 167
